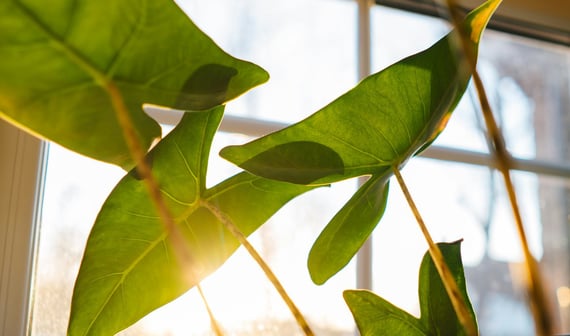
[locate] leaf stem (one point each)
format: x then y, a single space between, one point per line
235 231
457 300
215 325
143 168
536 293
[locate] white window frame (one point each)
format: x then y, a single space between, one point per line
21 180
21 173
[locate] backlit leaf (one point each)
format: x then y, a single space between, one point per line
130 266
60 62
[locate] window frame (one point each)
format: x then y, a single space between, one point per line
547 21
20 203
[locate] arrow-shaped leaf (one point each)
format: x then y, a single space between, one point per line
130 266
376 316
348 230
65 64
370 130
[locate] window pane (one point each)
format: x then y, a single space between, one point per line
75 188
528 85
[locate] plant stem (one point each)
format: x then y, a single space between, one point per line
242 239
538 299
455 296
143 168
215 325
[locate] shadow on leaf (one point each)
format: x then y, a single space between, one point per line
301 162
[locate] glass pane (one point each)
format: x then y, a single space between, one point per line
308 48
528 85
467 202
75 188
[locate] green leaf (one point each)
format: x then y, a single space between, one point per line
62 62
370 130
435 306
376 316
380 123
130 266
348 230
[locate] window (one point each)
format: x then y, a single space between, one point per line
313 52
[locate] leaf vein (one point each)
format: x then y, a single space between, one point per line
141 215
124 275
348 144
57 43
391 114
172 197
418 92
186 164
62 90
134 33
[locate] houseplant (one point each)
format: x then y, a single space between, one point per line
116 80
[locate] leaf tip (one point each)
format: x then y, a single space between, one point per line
479 18
317 276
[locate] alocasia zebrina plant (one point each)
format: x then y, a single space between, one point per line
73 71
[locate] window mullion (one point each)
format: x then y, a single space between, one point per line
364 256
